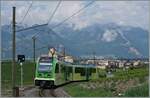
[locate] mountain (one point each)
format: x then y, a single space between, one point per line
103 39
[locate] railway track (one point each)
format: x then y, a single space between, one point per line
47 92
44 92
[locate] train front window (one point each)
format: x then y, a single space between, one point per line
45 67
45 64
45 60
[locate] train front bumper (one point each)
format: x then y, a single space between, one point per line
47 82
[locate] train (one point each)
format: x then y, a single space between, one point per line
48 72
45 71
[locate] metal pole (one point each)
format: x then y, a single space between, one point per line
86 72
73 72
34 48
97 72
14 53
94 58
21 75
64 53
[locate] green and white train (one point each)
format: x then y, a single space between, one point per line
45 71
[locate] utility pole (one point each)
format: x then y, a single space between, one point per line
94 58
64 53
15 91
21 74
33 38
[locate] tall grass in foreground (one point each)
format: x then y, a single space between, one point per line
139 91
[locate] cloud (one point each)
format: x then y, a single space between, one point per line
109 36
134 51
134 13
122 13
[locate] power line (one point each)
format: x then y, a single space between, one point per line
54 12
29 39
37 32
52 17
35 35
74 14
26 12
46 46
42 24
25 38
59 23
31 27
38 25
48 32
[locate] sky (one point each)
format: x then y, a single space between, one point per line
128 13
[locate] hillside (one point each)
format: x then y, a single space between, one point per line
103 39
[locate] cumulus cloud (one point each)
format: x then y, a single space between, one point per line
109 36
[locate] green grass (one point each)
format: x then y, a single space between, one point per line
76 91
138 75
138 72
139 91
6 73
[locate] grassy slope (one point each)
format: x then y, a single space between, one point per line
124 77
141 90
76 91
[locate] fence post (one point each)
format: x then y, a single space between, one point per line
65 73
96 72
86 71
73 71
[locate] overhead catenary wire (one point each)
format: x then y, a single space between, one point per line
26 12
31 27
60 22
68 19
73 14
47 32
50 30
28 27
43 47
25 38
35 35
49 20
41 24
52 17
